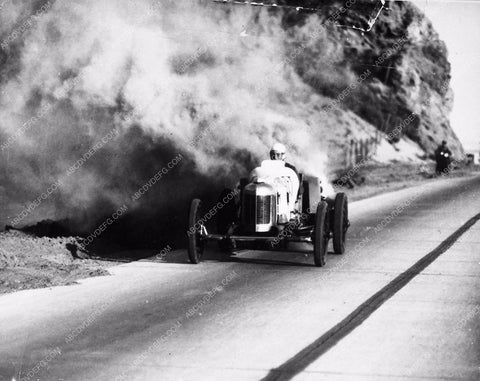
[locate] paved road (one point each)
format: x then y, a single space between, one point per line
403 303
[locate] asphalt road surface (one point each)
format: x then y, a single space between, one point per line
402 303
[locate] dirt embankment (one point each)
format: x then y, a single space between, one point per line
28 262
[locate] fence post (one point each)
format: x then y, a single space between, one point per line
351 154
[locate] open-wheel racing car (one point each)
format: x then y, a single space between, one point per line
274 206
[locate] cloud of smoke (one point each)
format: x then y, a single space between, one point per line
169 76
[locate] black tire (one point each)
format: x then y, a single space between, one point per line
320 235
195 242
340 223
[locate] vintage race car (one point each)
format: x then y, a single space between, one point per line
275 205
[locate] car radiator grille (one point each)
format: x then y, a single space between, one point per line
264 209
257 210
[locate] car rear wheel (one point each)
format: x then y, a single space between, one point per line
320 235
195 241
340 223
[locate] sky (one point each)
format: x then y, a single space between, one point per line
458 24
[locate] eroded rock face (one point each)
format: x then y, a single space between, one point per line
410 72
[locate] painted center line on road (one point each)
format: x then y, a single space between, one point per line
312 352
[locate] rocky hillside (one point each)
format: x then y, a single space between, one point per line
407 94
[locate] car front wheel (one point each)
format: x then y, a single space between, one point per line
194 233
340 223
320 235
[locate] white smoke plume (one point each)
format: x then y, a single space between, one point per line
168 76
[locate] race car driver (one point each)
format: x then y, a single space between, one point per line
278 152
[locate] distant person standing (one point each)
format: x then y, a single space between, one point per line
443 157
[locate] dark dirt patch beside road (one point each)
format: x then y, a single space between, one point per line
28 261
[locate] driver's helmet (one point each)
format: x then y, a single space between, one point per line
278 152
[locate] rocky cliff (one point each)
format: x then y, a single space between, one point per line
407 92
